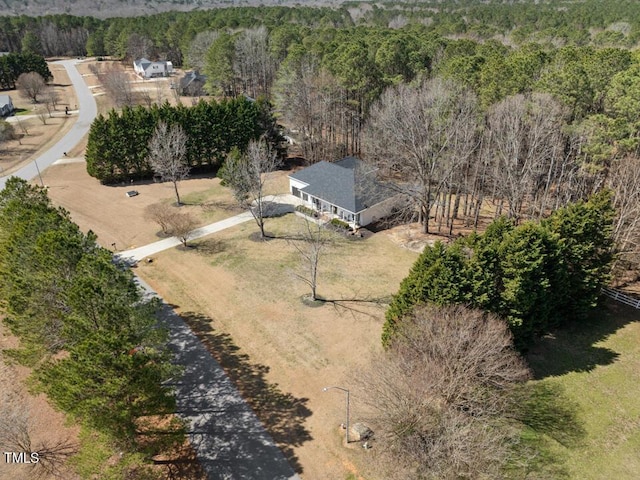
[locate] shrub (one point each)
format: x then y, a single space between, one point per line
306 211
336 222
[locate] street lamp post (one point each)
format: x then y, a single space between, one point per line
35 161
326 389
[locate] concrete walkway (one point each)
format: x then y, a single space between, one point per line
283 203
136 254
230 441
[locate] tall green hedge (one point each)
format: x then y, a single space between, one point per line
15 64
536 275
117 147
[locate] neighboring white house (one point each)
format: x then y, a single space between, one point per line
6 106
148 69
346 189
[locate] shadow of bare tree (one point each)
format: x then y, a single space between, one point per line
209 245
282 414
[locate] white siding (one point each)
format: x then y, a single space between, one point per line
376 212
299 185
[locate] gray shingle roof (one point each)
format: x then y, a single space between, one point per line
349 184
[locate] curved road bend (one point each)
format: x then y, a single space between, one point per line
88 111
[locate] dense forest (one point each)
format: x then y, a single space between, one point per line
553 22
532 122
538 99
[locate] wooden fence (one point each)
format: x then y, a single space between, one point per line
622 297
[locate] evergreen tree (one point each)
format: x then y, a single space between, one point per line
535 276
61 293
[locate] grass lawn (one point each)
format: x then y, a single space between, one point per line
598 364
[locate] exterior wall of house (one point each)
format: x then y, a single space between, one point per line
6 107
376 212
295 186
362 219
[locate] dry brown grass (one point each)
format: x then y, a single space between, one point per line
39 137
243 300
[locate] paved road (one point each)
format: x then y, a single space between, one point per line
230 441
88 111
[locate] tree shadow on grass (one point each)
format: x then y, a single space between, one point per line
282 414
209 246
573 348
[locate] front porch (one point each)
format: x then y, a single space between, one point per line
328 212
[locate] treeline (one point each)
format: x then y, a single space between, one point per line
165 34
170 34
560 21
536 276
15 64
83 323
49 35
118 144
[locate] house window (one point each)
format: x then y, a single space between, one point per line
295 192
334 210
305 197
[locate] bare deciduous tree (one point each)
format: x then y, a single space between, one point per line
30 85
160 213
117 85
181 225
248 174
198 49
50 99
441 396
139 46
168 154
311 242
16 433
42 114
525 142
419 136
254 66
624 180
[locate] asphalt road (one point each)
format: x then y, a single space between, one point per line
88 111
230 441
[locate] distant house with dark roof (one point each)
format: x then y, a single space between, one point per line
6 106
346 189
192 84
148 69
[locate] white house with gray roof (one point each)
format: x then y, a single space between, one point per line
148 69
6 106
346 189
